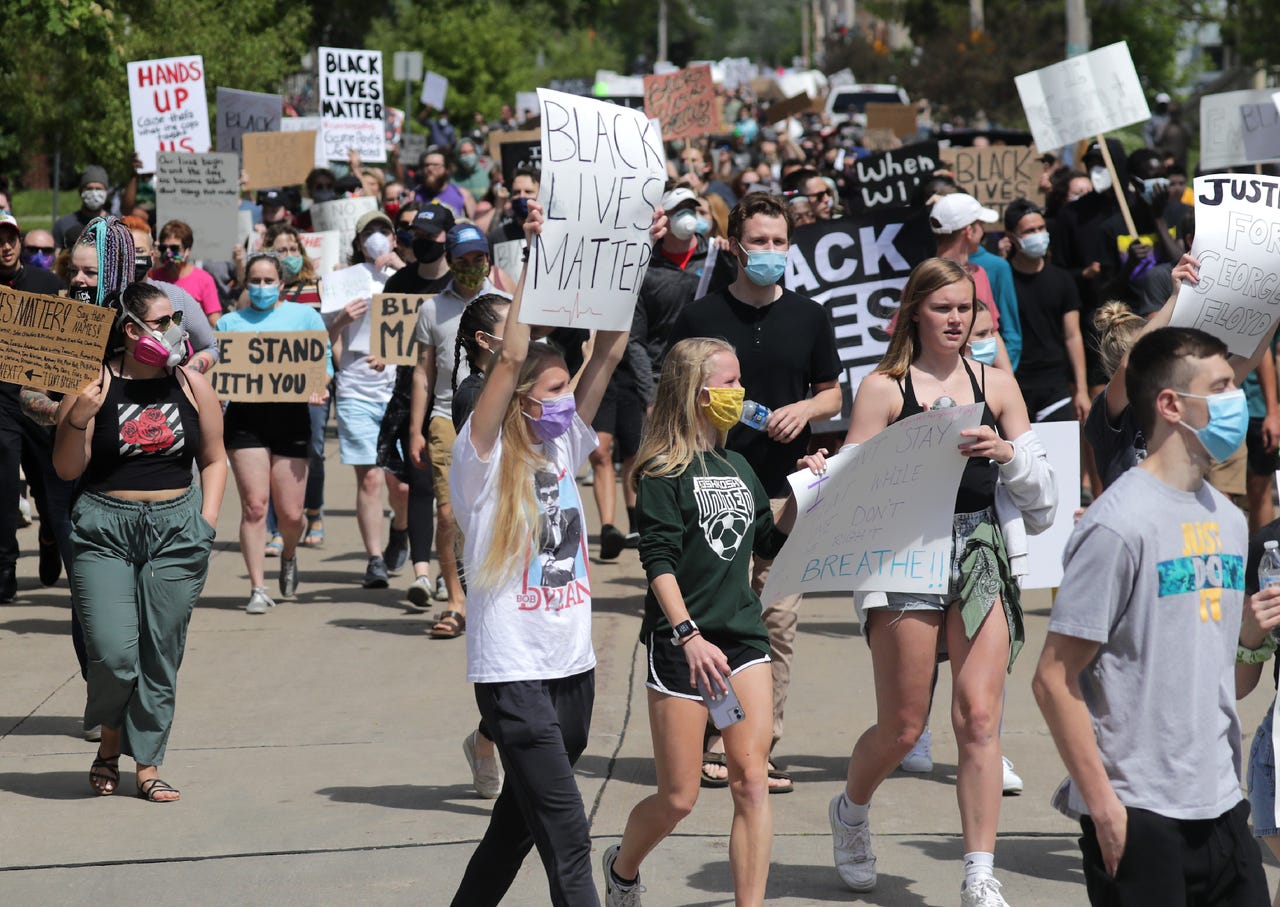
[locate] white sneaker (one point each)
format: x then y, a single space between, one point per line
920 759
259 601
851 847
419 593
1012 780
613 895
983 893
486 772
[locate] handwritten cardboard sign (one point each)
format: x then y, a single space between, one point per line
1083 97
245 111
322 248
996 175
1044 551
1260 129
684 103
307 124
603 173
168 106
271 366
873 522
393 317
273 160
341 215
887 179
880 140
1222 122
900 119
1238 246
351 104
51 342
203 191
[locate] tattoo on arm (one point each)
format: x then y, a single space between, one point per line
38 407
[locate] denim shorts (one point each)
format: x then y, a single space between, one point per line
358 424
1261 777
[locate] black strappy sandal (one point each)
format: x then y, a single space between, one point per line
148 789
106 771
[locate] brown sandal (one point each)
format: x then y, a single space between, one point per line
103 772
449 625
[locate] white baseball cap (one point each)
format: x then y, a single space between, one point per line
8 220
677 197
956 211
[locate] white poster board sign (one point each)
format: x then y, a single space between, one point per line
603 172
351 105
1238 246
245 111
307 124
879 520
337 288
1044 551
1083 96
322 249
434 89
1222 128
168 106
508 256
340 215
1260 129
203 191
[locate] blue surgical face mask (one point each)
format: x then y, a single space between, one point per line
1036 245
983 351
765 266
702 227
1228 422
263 297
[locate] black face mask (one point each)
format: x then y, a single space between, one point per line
427 250
141 267
85 294
323 195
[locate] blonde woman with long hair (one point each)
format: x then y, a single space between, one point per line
529 648
702 512
979 622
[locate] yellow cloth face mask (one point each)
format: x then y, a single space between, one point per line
725 407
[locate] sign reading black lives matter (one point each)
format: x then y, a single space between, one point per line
351 107
888 179
271 366
856 267
603 171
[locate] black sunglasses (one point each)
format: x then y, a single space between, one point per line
32 250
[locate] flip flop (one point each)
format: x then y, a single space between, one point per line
449 625
776 774
710 781
315 531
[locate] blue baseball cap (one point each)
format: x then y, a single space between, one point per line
465 238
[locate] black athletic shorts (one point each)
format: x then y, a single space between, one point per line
669 670
621 414
1260 462
282 428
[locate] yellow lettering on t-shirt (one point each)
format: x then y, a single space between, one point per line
1211 605
1200 538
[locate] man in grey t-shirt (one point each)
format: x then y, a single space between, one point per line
1137 677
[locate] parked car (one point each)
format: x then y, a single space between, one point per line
848 103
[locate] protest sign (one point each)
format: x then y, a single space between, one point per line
872 522
856 267
580 87
880 140
684 103
996 175
273 160
603 174
341 287
1222 141
271 366
395 128
1260 129
519 154
413 145
50 342
341 215
526 101
888 179
168 106
307 124
434 89
322 248
244 229
245 111
509 256
392 319
1083 97
202 191
900 119
776 113
1044 551
1238 246
498 138
351 104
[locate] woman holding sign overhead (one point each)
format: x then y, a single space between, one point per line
269 442
979 622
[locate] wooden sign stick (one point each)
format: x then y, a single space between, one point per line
1115 184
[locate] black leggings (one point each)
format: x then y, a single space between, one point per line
422 513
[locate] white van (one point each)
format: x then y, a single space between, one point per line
848 103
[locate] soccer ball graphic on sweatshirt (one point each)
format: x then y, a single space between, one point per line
724 533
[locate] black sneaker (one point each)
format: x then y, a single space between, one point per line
396 554
611 542
375 575
8 584
632 540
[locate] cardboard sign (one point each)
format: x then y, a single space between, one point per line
1083 97
684 103
392 319
202 191
880 140
872 523
351 105
498 138
792 106
341 215
996 175
245 111
1222 141
1238 246
520 154
307 124
322 248
856 267
900 119
273 160
271 366
50 342
604 169
1260 129
889 178
434 89
1044 551
168 106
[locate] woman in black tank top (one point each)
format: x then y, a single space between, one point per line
141 530
924 369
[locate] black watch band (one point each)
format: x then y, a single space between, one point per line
682 631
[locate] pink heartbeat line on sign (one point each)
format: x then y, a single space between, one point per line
575 311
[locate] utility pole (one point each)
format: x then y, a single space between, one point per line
977 17
804 33
662 31
1077 28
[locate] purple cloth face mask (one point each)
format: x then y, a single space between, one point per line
557 416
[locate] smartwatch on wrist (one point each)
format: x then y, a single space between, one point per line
682 632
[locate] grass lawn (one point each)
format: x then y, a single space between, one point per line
34 207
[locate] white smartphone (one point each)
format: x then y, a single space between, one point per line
723 706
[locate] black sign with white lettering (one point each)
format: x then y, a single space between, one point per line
887 179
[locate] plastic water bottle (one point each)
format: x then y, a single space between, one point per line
1269 572
754 415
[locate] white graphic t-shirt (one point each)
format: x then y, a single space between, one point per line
537 624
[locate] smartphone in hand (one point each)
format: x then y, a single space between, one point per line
723 705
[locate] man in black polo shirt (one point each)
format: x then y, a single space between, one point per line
16 430
786 348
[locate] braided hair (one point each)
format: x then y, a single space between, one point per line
111 238
480 314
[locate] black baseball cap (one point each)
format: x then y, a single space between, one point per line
435 219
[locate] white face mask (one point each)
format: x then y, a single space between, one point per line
93 199
1101 178
376 245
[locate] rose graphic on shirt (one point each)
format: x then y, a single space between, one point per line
150 429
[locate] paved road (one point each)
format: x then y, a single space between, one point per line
318 749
